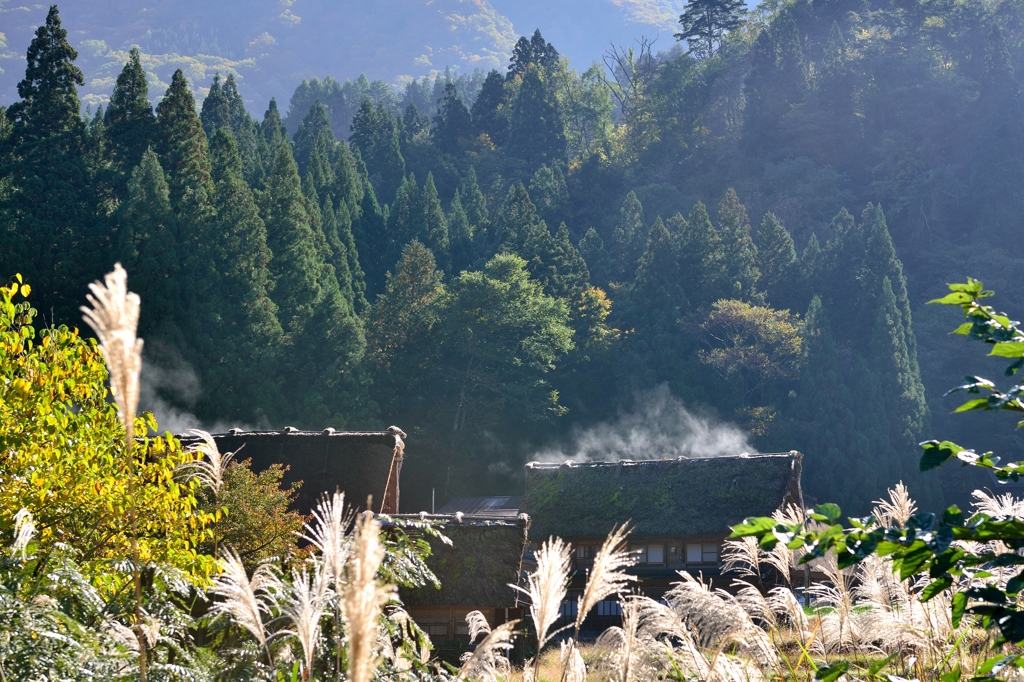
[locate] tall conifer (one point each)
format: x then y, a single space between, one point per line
148 246
630 238
435 225
738 246
129 119
776 262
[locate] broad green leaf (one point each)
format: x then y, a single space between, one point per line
832 672
1012 349
753 526
954 298
976 404
827 513
938 453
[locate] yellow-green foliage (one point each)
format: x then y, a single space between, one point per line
62 455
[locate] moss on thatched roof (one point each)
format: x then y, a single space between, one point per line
485 556
356 463
674 497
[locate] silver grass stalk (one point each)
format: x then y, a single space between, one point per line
209 469
897 509
304 606
997 505
488 660
364 597
478 625
607 576
546 588
329 533
24 531
742 556
245 600
575 669
114 316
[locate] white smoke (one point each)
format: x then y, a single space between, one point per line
659 427
168 387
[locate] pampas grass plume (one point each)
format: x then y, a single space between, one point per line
245 600
607 576
364 597
114 316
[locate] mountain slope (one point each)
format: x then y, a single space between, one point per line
271 45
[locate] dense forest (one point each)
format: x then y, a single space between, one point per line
490 260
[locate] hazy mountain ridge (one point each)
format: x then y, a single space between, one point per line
272 45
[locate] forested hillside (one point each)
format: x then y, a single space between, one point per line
753 222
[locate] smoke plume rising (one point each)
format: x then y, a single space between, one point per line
659 427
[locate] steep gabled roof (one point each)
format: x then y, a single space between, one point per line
485 556
674 497
357 463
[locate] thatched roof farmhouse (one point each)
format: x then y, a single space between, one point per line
475 571
680 510
361 464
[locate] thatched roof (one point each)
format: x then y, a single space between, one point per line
357 463
486 555
675 497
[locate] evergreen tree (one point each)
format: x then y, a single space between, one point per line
406 220
657 302
247 134
825 422
739 249
338 230
535 51
890 356
49 232
314 131
348 184
569 273
537 131
475 204
591 248
324 334
372 241
272 132
453 126
295 267
413 123
460 233
237 337
129 120
776 262
435 225
630 238
812 267
148 246
216 111
550 194
490 112
184 154
706 22
375 134
702 257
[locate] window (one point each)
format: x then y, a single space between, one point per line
609 607
656 554
436 629
674 556
640 552
701 553
585 552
